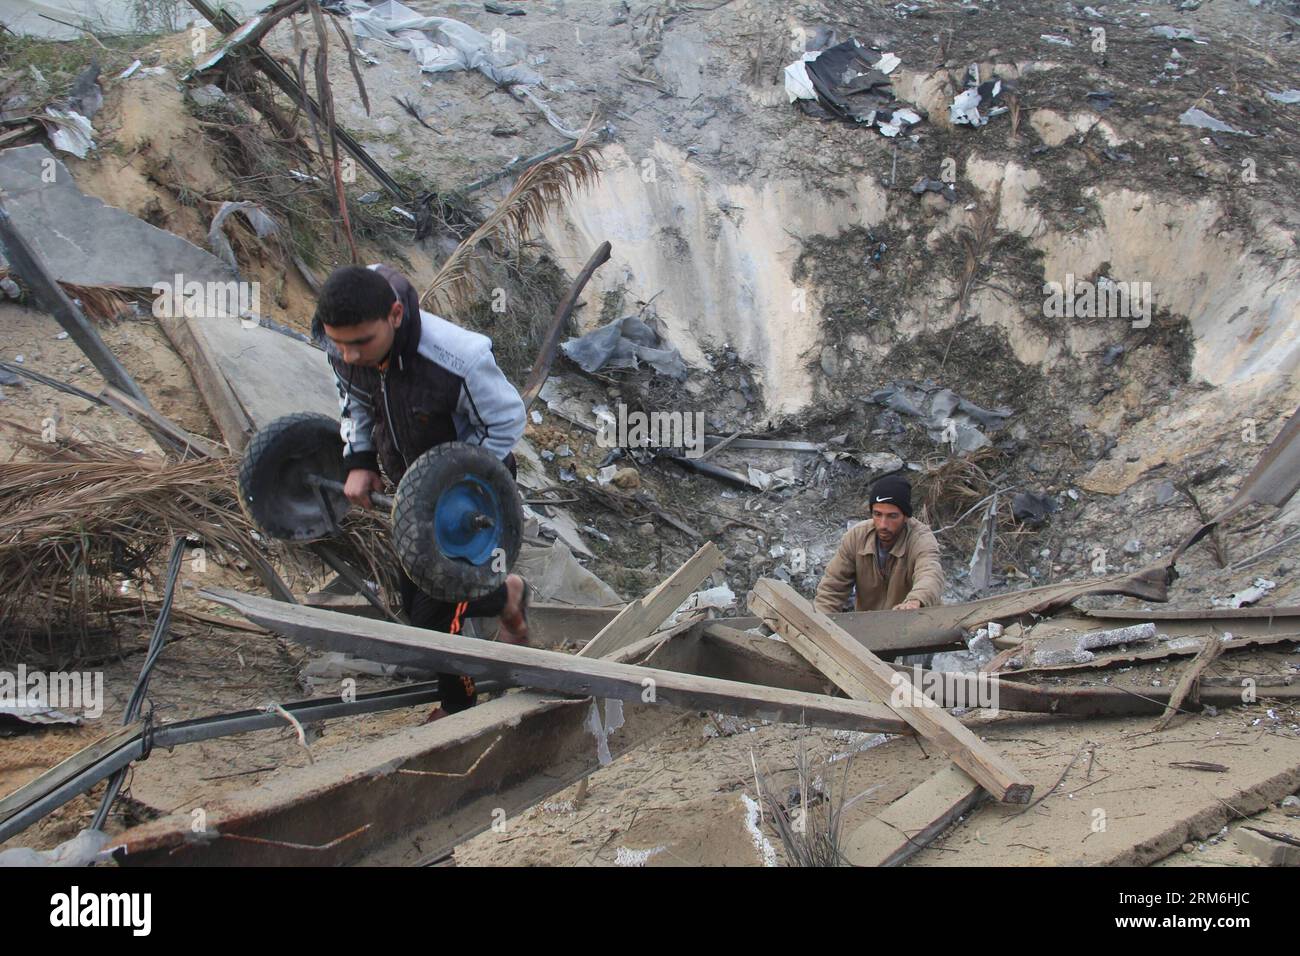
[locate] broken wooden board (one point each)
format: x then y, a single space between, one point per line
515 666
863 675
911 823
218 396
1188 687
639 618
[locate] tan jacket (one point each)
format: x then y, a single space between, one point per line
912 570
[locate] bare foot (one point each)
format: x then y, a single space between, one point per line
513 627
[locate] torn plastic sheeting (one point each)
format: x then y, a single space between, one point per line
849 82
37 714
798 84
946 401
1286 96
624 343
499 57
602 729
966 105
949 418
558 576
1248 596
1032 507
927 185
86 96
1178 33
981 562
69 131
721 597
82 850
257 217
522 92
1203 120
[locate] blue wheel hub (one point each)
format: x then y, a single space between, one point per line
467 521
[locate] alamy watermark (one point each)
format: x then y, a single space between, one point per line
624 429
1105 298
61 690
926 688
194 299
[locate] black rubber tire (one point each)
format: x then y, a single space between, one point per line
441 577
288 447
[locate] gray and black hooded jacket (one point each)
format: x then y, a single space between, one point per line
441 384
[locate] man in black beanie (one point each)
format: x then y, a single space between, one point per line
892 560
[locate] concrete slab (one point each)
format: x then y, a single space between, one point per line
84 241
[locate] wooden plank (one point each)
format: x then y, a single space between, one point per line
520 666
27 265
1187 683
1220 617
912 821
167 432
864 676
233 422
639 618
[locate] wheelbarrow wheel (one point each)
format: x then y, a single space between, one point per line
457 522
273 477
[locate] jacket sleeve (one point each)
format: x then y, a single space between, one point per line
356 425
490 412
841 575
927 572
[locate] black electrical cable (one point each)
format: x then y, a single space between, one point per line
156 643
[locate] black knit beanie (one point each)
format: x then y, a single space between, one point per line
892 490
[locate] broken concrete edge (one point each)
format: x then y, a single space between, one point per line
1204 822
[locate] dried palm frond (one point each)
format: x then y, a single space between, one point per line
950 485
79 520
542 188
103 302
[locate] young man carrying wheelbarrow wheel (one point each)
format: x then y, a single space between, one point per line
408 381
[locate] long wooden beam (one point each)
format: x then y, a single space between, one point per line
863 675
390 643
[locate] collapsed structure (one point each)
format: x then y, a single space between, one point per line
87 522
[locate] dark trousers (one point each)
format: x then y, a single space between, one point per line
455 691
